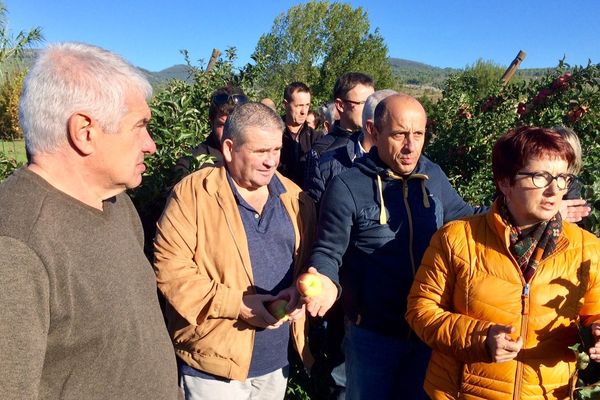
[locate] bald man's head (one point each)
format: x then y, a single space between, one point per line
394 102
400 122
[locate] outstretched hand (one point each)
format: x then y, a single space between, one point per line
500 344
318 305
574 210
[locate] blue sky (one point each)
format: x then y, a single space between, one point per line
443 33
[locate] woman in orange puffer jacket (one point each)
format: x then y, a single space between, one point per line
499 296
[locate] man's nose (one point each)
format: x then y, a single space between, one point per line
149 146
409 143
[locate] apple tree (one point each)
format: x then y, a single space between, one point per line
179 123
465 123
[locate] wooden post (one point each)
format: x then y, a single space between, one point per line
213 59
512 68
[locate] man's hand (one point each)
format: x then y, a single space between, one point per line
595 351
574 210
254 312
319 305
501 346
295 308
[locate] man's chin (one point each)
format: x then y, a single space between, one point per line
133 183
405 169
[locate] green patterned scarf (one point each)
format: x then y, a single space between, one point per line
532 247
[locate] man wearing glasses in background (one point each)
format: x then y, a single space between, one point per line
350 94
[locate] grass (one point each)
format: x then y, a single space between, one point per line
14 149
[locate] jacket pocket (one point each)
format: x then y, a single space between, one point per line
369 225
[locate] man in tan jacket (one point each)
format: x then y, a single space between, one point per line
231 240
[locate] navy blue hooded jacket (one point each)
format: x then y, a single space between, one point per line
381 224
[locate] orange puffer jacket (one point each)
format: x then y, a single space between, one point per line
469 281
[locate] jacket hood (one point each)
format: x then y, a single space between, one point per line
371 165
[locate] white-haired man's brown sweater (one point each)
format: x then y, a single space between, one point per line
79 314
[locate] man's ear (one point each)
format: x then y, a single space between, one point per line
373 131
370 128
81 132
339 105
227 149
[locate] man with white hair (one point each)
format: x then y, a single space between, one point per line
329 114
80 316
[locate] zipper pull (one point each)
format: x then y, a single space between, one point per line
525 300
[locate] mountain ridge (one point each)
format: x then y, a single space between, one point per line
410 72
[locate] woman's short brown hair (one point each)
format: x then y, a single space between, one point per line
514 149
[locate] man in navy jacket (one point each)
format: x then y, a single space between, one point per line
381 214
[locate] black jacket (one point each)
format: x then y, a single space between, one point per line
292 163
337 138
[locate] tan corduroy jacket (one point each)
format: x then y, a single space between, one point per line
203 269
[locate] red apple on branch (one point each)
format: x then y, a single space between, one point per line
309 285
277 309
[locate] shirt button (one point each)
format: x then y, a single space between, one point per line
256 216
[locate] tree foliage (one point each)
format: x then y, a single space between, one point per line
484 76
179 123
469 118
11 73
12 47
7 165
10 91
315 43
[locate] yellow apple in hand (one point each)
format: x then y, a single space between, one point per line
309 285
277 309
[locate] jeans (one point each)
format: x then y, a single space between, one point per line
383 367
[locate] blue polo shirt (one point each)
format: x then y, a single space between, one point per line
270 238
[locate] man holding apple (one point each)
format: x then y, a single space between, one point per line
381 214
228 246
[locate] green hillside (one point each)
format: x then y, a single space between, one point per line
411 73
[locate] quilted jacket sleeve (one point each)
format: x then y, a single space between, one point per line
184 283
313 181
334 228
430 310
590 312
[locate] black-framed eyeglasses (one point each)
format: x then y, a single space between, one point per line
224 98
356 103
542 179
